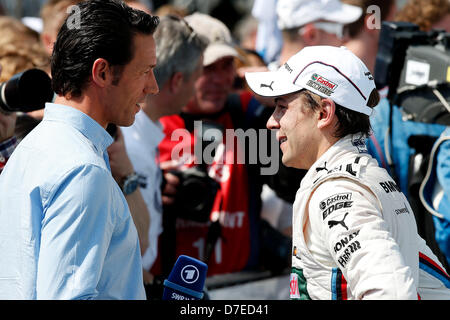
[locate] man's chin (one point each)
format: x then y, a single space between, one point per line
288 162
126 123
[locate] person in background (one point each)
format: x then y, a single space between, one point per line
311 23
8 141
72 235
431 14
180 63
53 13
20 49
364 33
354 233
268 40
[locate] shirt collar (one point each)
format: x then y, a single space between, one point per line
90 128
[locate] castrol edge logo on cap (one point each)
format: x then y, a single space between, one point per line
321 84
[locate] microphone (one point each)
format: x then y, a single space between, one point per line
186 280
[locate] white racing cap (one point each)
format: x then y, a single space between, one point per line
330 72
297 13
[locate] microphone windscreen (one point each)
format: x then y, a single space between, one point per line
186 280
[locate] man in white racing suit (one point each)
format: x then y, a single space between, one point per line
354 232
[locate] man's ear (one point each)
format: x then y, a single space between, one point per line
48 42
309 34
101 73
176 82
326 113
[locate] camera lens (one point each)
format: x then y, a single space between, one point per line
26 91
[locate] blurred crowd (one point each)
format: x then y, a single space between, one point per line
227 213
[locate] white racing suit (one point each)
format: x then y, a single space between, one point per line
355 235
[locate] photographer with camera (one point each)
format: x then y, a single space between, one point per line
7 140
67 229
20 50
180 63
26 91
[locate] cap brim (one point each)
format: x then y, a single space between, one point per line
218 51
346 14
270 84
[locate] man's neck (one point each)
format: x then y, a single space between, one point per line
359 46
84 104
288 50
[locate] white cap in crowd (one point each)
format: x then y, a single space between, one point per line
297 13
220 40
330 72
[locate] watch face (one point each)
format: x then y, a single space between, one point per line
130 185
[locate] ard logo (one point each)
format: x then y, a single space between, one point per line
189 274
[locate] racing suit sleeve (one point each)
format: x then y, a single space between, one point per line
347 220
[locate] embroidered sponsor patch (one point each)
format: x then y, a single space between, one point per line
335 202
322 84
345 247
341 222
389 186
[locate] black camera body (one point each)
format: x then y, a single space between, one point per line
196 193
26 91
415 65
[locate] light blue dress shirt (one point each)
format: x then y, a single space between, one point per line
65 228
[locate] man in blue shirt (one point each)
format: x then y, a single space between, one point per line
65 227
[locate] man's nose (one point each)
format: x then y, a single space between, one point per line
272 124
151 85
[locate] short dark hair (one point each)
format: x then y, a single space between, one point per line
106 30
349 121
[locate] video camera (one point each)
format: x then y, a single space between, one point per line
26 91
415 65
